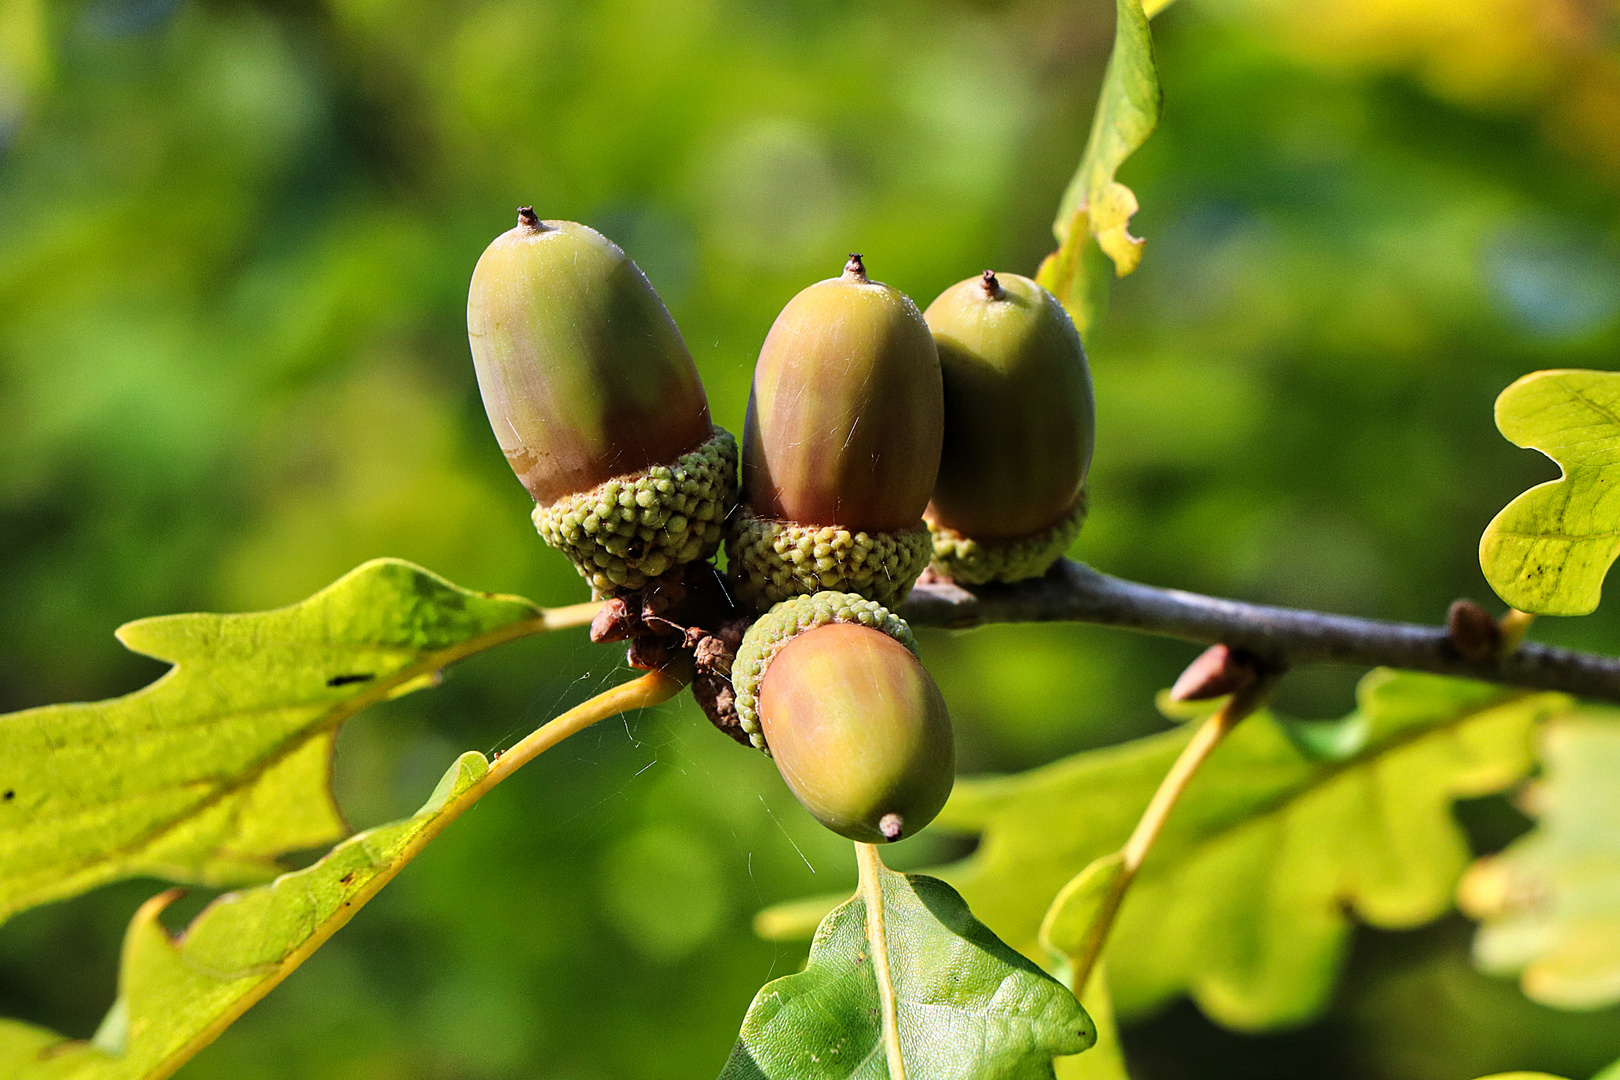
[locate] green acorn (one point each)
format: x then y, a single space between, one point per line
1019 428
831 687
595 400
840 447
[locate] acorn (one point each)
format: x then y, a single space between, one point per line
840 447
595 400
1019 429
830 686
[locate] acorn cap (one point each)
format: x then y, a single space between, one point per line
846 415
859 730
778 626
582 370
627 531
977 562
1019 416
773 560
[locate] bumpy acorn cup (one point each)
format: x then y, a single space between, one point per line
831 687
1019 427
595 400
840 447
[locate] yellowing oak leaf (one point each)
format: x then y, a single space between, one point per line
177 994
223 764
1551 901
1547 552
1096 207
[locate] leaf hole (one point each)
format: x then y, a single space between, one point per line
345 680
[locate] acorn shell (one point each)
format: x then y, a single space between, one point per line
859 731
1019 416
583 373
847 411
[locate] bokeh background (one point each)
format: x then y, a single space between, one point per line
235 238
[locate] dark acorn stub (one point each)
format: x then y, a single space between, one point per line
685 622
831 687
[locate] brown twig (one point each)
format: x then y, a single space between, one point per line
1279 638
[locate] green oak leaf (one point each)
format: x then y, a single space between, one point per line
177 995
223 764
1080 915
1106 1058
1245 901
1551 902
1096 209
967 1006
1549 549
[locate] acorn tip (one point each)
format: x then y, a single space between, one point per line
989 284
891 825
855 269
528 218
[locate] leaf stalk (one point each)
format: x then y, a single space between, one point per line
1135 851
871 867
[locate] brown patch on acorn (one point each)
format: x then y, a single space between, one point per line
685 619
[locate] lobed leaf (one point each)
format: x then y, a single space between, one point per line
223 764
967 1005
176 995
1246 899
1095 207
1548 551
1080 914
1551 902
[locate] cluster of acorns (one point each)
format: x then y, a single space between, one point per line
879 440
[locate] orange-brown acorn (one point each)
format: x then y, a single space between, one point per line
1019 428
841 445
831 686
595 400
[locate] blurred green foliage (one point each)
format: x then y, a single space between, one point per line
234 244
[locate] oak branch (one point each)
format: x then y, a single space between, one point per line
1278 637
